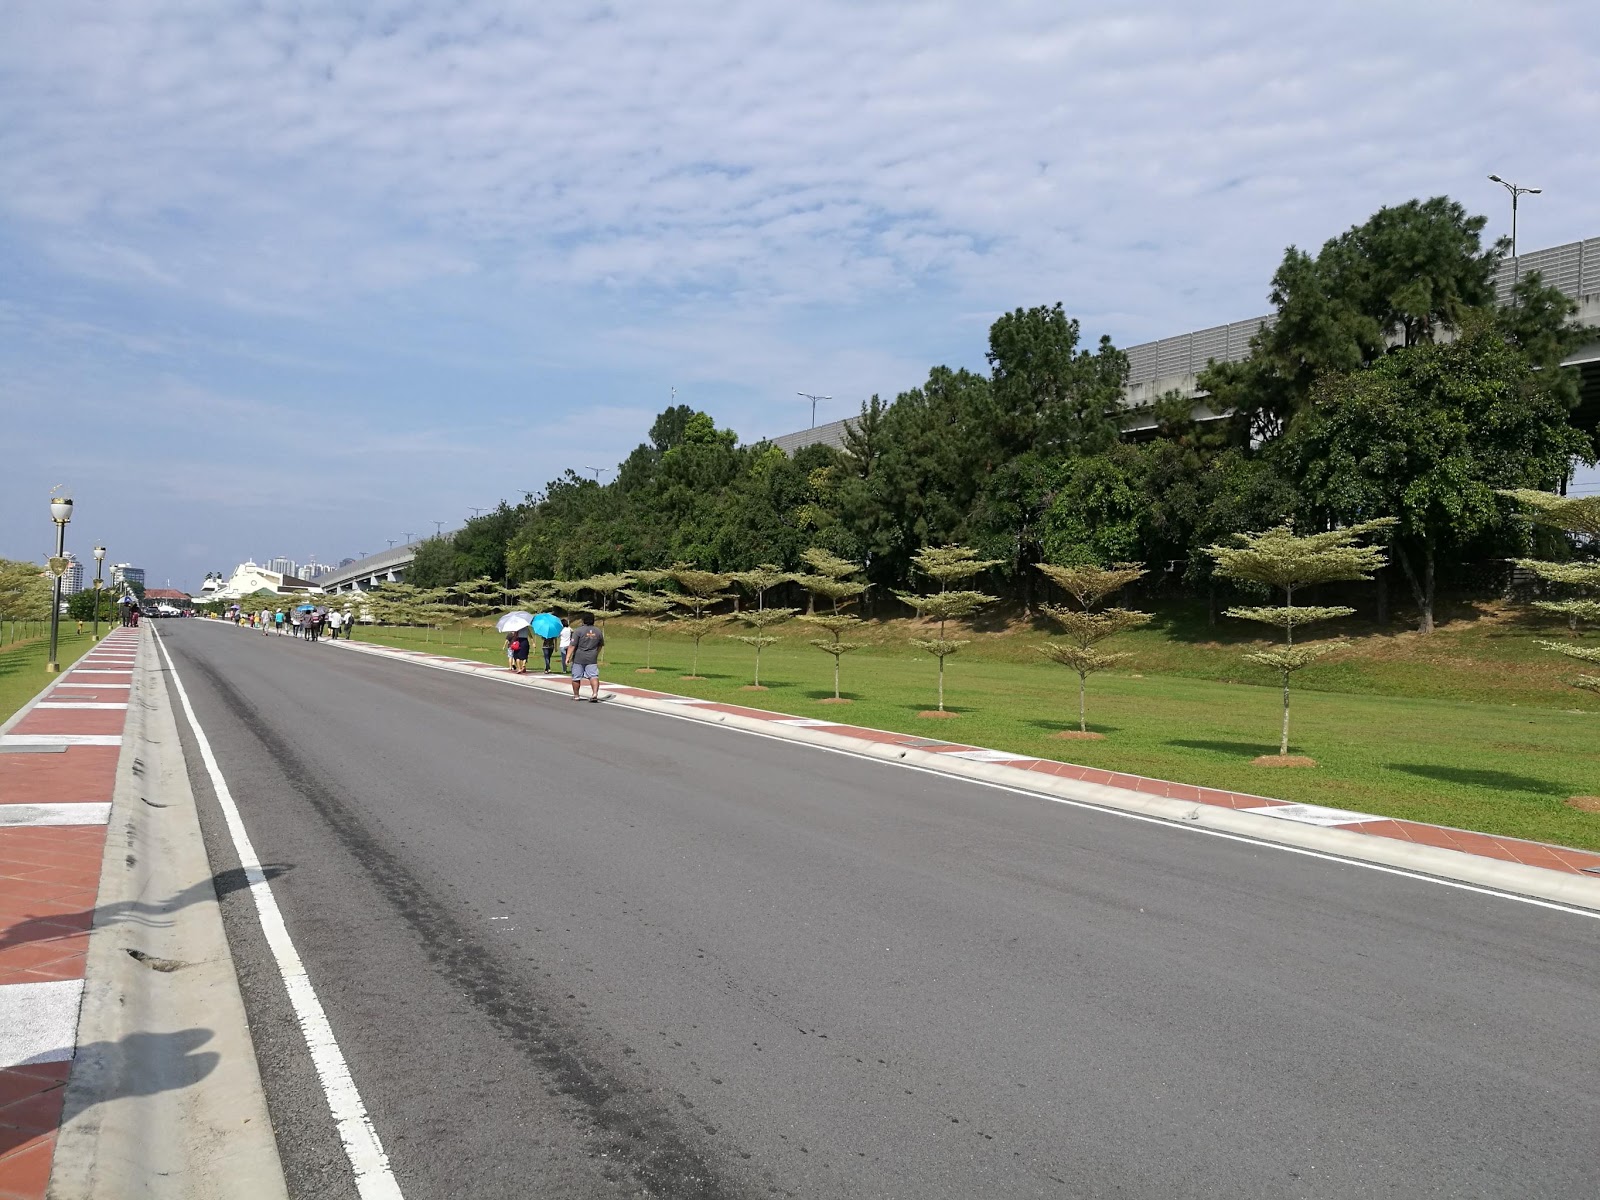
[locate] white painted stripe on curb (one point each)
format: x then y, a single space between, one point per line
61 739
92 683
89 812
102 671
81 704
39 1022
374 1178
1314 814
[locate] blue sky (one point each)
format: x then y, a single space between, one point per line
302 277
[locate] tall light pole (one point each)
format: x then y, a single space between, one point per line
99 562
1516 191
60 513
438 528
598 471
813 399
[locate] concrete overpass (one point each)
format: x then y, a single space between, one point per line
388 566
1175 363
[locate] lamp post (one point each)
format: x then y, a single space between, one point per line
813 399
99 561
1516 192
60 513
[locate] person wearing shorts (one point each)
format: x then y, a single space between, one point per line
584 658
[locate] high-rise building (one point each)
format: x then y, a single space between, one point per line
125 573
283 566
345 562
315 570
72 581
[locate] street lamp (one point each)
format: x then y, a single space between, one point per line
99 561
60 513
598 471
813 399
1516 191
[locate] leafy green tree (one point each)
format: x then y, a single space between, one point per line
830 580
1429 435
946 565
434 564
1281 559
24 591
761 620
1408 274
1087 625
1579 515
81 605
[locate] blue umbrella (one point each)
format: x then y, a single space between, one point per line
307 608
547 625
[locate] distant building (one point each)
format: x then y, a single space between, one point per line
345 562
284 566
125 573
249 578
314 570
72 581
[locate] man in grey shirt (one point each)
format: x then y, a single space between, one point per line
583 655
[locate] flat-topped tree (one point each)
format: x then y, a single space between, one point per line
831 583
946 565
761 619
653 607
699 592
1280 558
1087 625
606 586
1578 515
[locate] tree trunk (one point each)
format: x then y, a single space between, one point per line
756 682
1421 589
1083 719
941 683
836 673
1283 741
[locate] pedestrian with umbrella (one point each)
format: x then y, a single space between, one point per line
515 626
548 628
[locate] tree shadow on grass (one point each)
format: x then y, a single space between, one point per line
1253 749
1498 781
827 694
1068 725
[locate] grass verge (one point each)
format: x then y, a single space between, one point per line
1497 768
22 673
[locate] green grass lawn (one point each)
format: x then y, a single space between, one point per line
1458 754
22 673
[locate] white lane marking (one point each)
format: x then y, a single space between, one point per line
61 739
374 1179
90 812
1313 814
1091 806
81 704
39 1022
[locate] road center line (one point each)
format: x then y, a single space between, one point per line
374 1178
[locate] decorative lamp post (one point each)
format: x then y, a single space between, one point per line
99 561
60 513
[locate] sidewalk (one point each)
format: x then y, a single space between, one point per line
1136 792
58 766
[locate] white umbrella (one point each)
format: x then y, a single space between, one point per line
514 620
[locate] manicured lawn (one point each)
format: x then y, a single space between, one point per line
1472 762
22 674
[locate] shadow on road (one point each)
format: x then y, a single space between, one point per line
149 915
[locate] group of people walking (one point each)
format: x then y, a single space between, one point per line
578 647
309 625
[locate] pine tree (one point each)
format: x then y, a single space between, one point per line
1086 627
831 582
1282 559
1579 515
698 591
652 607
761 618
947 565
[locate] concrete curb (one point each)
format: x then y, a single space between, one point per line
1453 865
165 1098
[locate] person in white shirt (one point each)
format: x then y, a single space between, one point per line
564 642
335 620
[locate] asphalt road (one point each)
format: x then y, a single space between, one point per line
574 950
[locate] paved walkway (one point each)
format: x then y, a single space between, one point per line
1483 845
58 764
